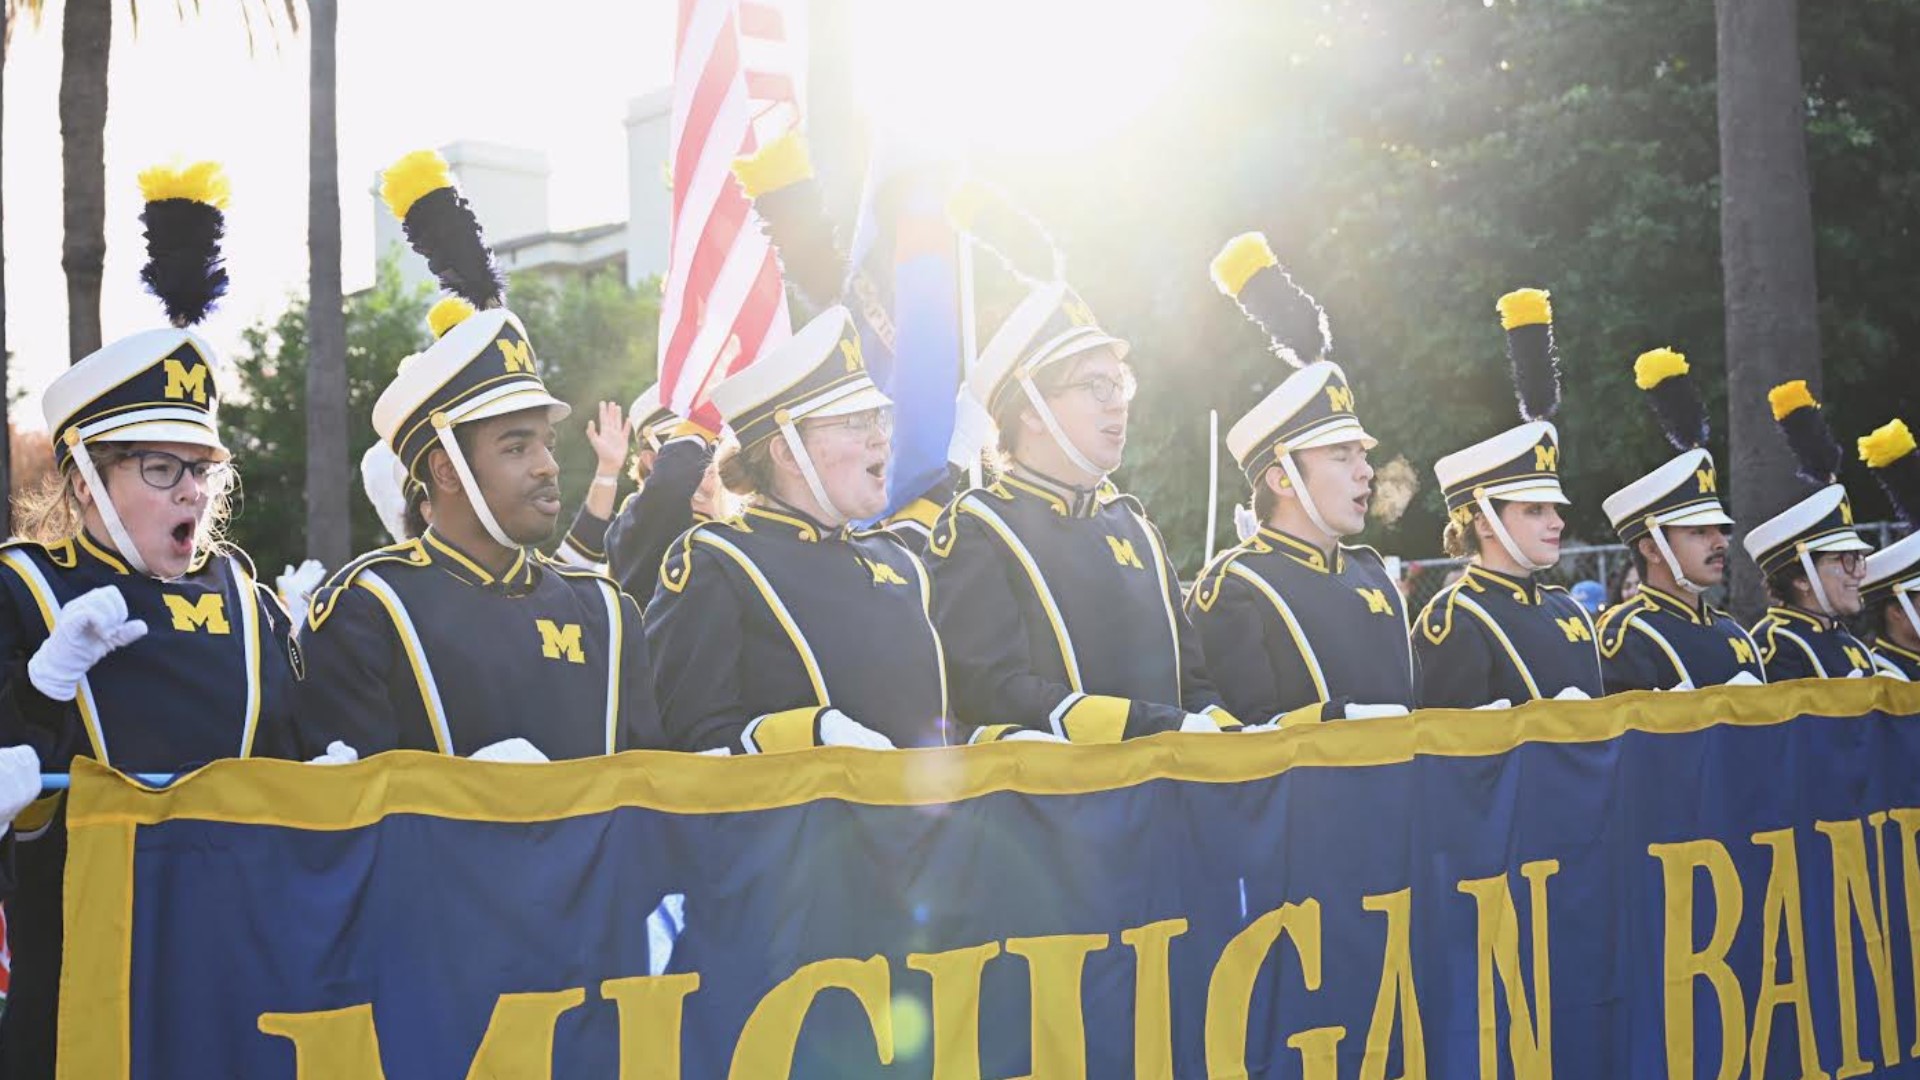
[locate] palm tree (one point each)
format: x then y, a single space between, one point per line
10 13
86 45
329 535
1766 253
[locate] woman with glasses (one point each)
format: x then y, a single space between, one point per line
132 633
1813 560
785 627
1059 609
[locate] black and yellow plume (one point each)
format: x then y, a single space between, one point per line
1805 427
991 218
440 225
1247 271
185 218
1527 317
1891 454
1666 377
779 179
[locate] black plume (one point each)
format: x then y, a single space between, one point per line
1813 445
442 228
184 265
802 233
1682 415
1294 322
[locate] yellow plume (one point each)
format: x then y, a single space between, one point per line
781 163
1524 307
965 203
1888 444
1242 257
447 314
1789 397
202 182
410 178
1657 366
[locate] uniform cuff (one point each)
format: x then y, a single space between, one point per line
792 729
1091 718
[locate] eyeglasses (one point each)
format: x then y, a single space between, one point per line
860 423
1849 562
1103 388
162 471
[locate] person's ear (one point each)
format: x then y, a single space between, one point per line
440 470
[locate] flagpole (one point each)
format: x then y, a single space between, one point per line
1213 477
969 342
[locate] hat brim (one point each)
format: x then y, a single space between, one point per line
861 400
164 431
1335 435
517 401
1530 491
1846 540
1711 514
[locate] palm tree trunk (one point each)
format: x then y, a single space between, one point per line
6 405
329 537
1766 254
86 41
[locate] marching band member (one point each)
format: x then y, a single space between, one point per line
678 490
148 642
1498 634
585 544
784 627
1893 573
1675 529
1812 559
467 641
1296 623
1055 599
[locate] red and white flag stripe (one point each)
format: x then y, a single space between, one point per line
737 70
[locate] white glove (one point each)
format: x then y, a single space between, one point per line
1245 524
1745 678
1573 693
1496 703
1683 684
1030 735
19 782
1271 725
1856 674
85 631
296 585
338 753
839 729
972 429
1373 712
514 751
1200 722
718 751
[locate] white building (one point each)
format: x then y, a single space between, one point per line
507 186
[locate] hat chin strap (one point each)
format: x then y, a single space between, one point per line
1059 435
108 515
1501 534
443 430
1673 564
1813 580
1299 484
804 460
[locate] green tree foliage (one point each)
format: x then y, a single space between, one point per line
1411 160
594 337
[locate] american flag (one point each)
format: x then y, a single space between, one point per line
738 65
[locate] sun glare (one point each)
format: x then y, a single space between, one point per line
1016 74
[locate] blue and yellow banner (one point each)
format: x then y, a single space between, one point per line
1715 884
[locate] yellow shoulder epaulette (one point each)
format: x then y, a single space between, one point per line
1206 587
677 568
1436 619
64 554
326 597
1614 623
